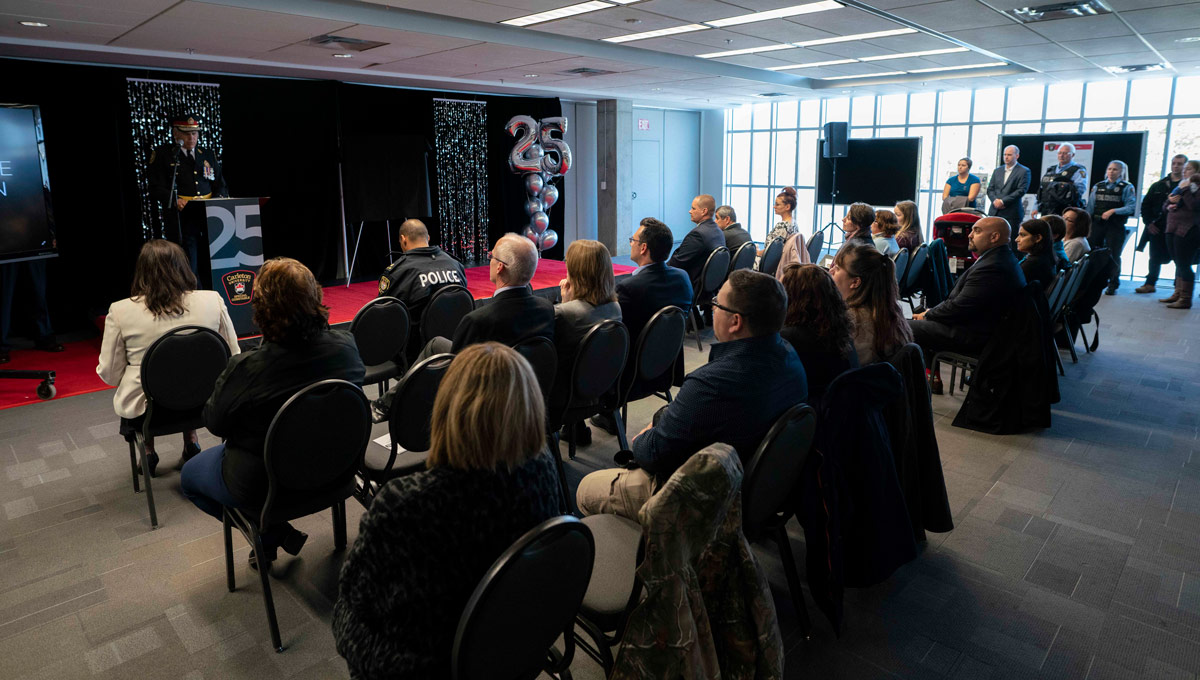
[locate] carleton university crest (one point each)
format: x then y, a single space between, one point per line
239 286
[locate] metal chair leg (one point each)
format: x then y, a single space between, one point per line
621 432
141 445
228 530
567 506
133 461
793 578
1058 360
339 525
571 441
264 567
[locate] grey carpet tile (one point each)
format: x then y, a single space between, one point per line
1076 552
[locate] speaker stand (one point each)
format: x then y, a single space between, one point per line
833 192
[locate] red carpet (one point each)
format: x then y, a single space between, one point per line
75 369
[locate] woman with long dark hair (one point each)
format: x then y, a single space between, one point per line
163 297
866 278
1035 241
818 326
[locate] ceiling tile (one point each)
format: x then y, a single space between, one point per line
1052 65
401 44
843 21
577 28
193 24
953 15
907 43
465 9
1126 58
623 18
475 58
690 11
848 50
1164 18
1098 46
1103 26
1123 5
1026 53
1011 35
53 12
66 31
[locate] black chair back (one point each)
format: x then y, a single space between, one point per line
657 349
900 259
543 357
916 265
715 270
743 257
1057 296
380 330
599 362
447 306
775 469
769 261
815 244
180 369
412 405
316 440
528 598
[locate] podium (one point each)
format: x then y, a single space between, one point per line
235 251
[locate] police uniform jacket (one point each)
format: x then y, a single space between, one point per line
1072 172
416 274
1118 196
198 177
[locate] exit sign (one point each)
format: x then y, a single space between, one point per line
643 123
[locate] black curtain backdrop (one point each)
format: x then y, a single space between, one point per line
282 139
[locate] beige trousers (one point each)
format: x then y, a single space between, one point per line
616 491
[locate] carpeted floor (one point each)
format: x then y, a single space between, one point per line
1076 552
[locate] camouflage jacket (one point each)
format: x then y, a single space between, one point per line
708 611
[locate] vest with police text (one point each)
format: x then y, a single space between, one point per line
1058 190
1109 199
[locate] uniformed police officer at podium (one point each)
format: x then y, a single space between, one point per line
196 175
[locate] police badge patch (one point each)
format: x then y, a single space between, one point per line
209 173
384 282
239 286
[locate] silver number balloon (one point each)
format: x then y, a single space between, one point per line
557 158
549 239
539 221
549 195
527 155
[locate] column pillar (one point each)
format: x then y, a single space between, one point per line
614 174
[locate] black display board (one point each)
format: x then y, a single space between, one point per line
877 172
26 217
1129 147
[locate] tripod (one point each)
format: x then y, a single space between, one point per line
833 193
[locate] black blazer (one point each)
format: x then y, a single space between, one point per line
980 297
651 289
1040 268
736 236
511 316
699 243
1010 192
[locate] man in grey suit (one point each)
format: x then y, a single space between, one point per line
1008 185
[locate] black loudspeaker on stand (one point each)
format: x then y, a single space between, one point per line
833 147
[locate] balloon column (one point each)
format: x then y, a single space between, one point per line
541 157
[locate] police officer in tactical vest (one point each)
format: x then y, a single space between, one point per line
197 176
1064 185
416 274
1112 204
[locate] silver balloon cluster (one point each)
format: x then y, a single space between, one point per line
541 157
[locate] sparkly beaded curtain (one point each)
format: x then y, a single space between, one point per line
461 151
152 104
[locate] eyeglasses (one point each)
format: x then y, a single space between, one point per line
491 256
718 305
633 240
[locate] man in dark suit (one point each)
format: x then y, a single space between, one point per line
735 234
965 320
514 313
1009 183
654 285
699 243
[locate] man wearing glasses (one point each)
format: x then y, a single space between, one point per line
654 285
751 378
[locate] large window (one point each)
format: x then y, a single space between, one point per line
770 146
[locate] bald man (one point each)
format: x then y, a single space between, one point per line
967 317
416 274
699 243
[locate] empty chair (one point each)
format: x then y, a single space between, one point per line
528 598
712 275
769 261
543 357
659 346
179 372
912 280
314 446
900 259
447 306
380 331
408 428
743 258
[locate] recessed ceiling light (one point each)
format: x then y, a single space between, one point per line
958 68
1195 38
1023 80
633 21
531 75
34 24
560 13
794 10
856 36
866 75
343 56
812 64
1135 68
656 89
687 28
746 50
1060 10
923 53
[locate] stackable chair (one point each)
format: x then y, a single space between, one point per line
769 261
655 353
900 260
313 449
179 372
447 306
815 244
743 258
712 276
380 330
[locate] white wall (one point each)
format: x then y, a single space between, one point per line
667 161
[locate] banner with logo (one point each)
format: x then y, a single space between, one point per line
236 251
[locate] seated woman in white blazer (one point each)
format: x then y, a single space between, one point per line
163 297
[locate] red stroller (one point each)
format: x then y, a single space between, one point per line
955 230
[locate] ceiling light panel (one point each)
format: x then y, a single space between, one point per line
958 68
856 36
747 50
923 53
812 64
782 12
866 75
688 28
560 13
